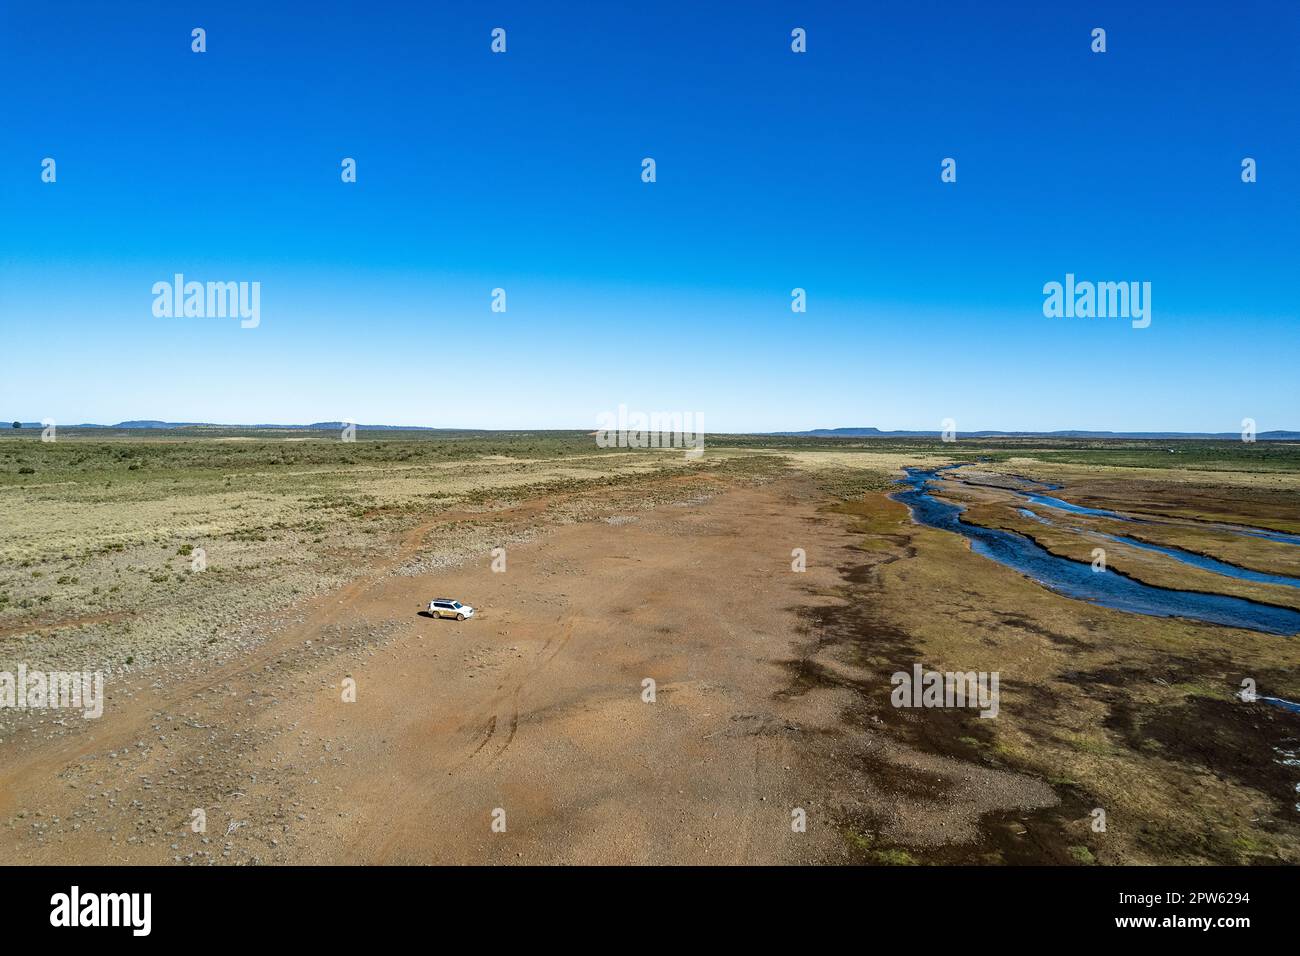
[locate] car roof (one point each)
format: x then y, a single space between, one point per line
445 600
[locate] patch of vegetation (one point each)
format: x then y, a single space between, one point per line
866 845
1081 854
1089 745
848 484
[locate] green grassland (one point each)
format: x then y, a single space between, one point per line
99 530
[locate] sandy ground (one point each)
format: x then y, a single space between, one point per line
532 714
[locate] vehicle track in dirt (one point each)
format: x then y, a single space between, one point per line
534 708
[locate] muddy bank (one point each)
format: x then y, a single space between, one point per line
933 790
1097 708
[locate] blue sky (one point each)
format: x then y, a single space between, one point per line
775 171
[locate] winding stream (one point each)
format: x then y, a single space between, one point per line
1186 557
1061 505
1076 579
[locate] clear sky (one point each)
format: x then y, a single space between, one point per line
775 170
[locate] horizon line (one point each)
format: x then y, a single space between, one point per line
853 431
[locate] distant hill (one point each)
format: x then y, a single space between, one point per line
315 426
865 432
146 425
1156 436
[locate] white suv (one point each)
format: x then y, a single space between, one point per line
446 607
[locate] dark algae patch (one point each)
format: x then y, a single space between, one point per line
856 634
1127 714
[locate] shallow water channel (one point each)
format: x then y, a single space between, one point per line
1077 579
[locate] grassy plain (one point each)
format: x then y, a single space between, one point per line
1102 710
97 558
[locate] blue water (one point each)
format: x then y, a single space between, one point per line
1076 579
1029 514
1284 704
1186 557
1062 505
1209 564
1261 533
